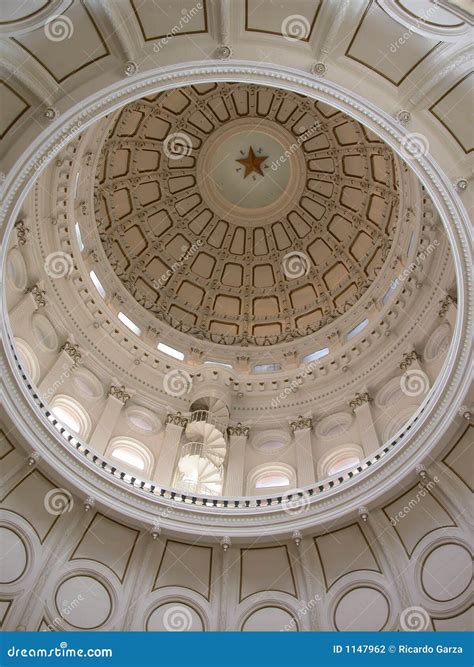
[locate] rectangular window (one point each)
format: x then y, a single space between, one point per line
357 329
316 355
97 284
128 323
171 351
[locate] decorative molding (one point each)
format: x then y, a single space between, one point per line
119 393
359 400
301 423
72 349
408 359
238 430
177 419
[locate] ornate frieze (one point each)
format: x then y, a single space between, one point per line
301 423
359 399
445 303
72 349
177 419
119 393
238 429
408 359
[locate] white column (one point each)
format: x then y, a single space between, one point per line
20 314
68 359
368 435
301 428
234 478
105 426
165 466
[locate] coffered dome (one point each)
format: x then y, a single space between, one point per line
244 214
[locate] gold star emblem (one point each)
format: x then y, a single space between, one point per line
252 163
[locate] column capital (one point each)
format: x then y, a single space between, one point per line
239 430
301 423
177 419
39 296
72 349
22 232
445 303
119 393
408 359
359 399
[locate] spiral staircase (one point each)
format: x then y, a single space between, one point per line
200 467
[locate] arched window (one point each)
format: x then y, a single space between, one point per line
340 460
132 454
71 413
271 477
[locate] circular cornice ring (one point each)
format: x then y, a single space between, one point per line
433 419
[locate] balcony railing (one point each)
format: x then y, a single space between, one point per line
289 499
209 418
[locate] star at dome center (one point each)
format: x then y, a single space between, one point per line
252 163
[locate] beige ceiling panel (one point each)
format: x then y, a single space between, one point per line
12 108
386 47
276 22
164 19
415 514
187 566
107 542
83 47
266 569
454 112
459 458
343 551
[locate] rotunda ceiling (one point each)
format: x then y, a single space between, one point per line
244 214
